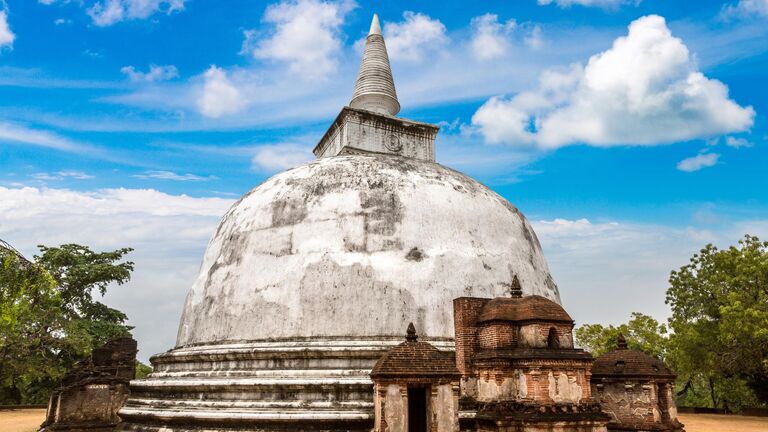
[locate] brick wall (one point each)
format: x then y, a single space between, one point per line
497 335
465 313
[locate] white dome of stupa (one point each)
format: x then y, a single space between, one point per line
353 246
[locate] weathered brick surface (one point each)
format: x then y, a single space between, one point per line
414 359
414 364
528 308
94 390
635 390
466 311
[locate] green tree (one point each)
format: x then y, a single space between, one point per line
642 332
719 320
48 317
79 272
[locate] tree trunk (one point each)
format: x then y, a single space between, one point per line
712 392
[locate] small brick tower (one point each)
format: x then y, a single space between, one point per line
635 390
519 369
416 387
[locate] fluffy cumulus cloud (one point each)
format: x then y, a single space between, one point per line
155 73
746 9
490 38
279 157
644 90
168 233
698 162
306 36
414 37
219 95
606 4
108 12
6 35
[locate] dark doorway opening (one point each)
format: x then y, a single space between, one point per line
552 341
417 410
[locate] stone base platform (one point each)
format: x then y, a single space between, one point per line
309 384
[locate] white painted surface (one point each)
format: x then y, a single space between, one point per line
355 247
395 410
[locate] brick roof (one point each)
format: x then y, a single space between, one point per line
414 359
629 362
527 308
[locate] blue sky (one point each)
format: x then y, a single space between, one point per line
630 132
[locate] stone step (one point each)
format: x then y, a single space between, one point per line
137 402
239 383
146 419
260 373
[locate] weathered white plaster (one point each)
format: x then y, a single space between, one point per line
564 388
522 384
508 388
395 410
375 87
445 406
323 249
530 336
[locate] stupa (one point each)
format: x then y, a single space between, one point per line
310 276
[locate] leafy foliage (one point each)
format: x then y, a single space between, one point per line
642 332
718 338
142 370
48 317
719 307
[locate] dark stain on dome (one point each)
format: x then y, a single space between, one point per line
288 211
415 254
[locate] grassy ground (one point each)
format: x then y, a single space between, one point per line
28 420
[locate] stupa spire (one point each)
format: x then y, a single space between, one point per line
375 87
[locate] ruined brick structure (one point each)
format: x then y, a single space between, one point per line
635 390
519 369
416 388
94 390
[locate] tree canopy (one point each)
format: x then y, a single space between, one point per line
719 319
717 335
49 318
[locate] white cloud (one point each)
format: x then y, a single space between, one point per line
6 35
490 38
170 175
306 36
535 38
605 4
737 142
644 90
746 9
21 134
280 157
108 12
168 232
415 36
626 265
700 161
61 175
219 95
155 73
